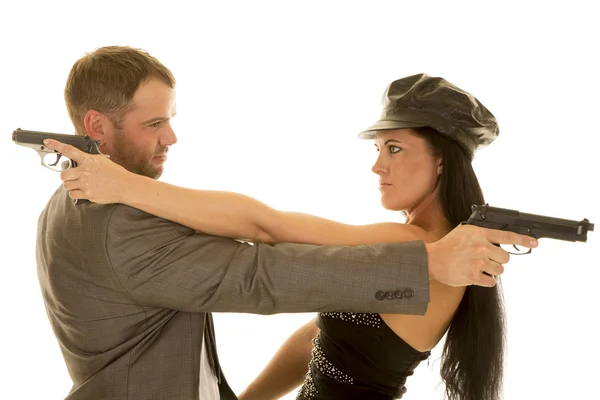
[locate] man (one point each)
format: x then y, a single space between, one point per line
129 295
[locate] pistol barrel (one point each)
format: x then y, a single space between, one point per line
537 226
35 140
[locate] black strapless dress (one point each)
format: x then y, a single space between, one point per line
357 356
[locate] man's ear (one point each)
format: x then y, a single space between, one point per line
95 125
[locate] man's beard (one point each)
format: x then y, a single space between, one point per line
133 160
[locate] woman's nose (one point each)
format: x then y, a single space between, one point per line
378 168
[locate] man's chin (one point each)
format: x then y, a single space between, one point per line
149 171
155 173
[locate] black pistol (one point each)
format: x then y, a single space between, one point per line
35 140
536 226
50 158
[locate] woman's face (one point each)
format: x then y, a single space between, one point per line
408 172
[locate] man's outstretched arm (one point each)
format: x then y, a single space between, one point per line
466 256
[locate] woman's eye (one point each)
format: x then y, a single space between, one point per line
394 149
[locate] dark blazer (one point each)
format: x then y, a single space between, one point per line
127 293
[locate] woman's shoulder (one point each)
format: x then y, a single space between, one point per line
397 229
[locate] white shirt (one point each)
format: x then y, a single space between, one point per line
209 387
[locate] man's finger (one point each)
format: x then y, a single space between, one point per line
494 268
486 281
506 237
498 254
66 150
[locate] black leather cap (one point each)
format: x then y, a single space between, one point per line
421 100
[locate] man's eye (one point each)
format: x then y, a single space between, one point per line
156 124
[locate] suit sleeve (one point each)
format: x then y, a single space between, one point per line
163 264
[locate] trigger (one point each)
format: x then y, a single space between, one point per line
57 159
519 250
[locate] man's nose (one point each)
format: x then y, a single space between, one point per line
168 137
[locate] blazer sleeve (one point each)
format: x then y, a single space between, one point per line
163 264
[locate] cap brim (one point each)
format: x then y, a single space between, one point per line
387 125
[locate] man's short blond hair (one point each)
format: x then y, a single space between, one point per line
106 80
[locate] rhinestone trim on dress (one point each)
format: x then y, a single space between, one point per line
373 320
308 388
325 367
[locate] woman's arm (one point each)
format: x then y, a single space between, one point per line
216 212
239 216
286 370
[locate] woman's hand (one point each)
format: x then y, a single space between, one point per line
96 177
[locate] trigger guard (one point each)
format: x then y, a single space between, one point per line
43 157
65 165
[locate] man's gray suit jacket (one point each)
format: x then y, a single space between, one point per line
127 293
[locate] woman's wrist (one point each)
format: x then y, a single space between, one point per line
135 189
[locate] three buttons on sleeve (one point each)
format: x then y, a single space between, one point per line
395 295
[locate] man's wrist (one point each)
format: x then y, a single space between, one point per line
430 251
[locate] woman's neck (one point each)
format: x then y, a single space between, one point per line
429 215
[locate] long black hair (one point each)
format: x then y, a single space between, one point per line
473 354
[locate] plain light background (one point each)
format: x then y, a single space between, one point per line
270 98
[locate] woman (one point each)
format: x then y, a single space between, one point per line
426 139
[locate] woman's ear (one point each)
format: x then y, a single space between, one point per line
440 166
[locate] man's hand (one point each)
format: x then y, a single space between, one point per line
462 256
96 177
